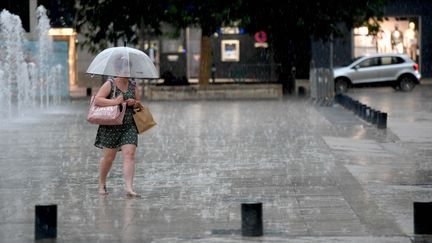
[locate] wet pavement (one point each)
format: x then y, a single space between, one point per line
322 173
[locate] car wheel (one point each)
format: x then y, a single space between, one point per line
341 86
406 83
395 86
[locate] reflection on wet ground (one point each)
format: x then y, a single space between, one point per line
322 174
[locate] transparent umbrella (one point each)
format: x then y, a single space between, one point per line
123 62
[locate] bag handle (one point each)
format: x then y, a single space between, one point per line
115 87
134 84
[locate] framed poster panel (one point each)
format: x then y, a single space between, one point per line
230 50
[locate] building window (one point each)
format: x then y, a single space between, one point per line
396 35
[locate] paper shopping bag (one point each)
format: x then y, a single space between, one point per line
143 118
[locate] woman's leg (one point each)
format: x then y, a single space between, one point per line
128 151
105 165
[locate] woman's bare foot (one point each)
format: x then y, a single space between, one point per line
132 194
102 190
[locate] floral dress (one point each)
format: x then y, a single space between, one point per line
115 136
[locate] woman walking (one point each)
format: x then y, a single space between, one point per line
116 138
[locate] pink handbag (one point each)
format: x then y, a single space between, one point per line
106 115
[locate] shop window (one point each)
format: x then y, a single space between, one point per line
395 35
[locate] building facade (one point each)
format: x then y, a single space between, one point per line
236 56
406 28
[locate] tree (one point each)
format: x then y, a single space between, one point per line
108 21
60 12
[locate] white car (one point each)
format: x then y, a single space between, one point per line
396 70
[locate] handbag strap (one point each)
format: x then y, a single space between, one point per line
113 85
134 84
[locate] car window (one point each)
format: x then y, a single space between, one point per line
351 61
374 61
386 60
397 60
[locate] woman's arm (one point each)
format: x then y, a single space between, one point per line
101 96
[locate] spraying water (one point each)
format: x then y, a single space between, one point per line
44 51
12 61
26 83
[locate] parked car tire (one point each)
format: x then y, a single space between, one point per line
396 86
341 86
406 83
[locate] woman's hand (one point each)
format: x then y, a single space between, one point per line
130 102
119 100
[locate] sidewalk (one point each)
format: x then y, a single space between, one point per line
322 174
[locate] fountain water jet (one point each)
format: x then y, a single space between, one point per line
12 59
44 50
27 83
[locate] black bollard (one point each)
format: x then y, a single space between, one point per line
89 91
376 117
344 100
301 91
252 221
349 102
382 120
372 116
422 218
367 114
358 108
362 111
45 222
355 106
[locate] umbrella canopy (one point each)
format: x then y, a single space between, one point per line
123 62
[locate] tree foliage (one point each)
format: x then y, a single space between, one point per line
209 15
108 21
319 18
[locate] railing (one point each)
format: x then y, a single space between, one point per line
322 86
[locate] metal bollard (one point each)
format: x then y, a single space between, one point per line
363 111
301 91
346 101
356 107
89 92
350 103
422 218
359 108
252 221
372 116
45 222
367 114
375 117
382 120
338 99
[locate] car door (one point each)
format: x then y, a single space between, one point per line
366 71
389 68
